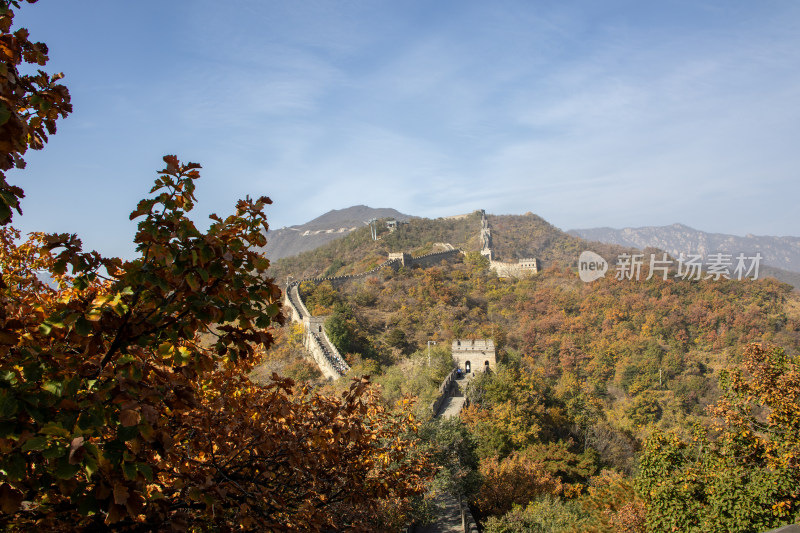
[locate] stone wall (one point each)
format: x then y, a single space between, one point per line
525 267
315 339
522 268
325 355
339 280
445 390
404 258
328 358
293 301
435 258
468 522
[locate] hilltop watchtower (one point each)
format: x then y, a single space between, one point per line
474 355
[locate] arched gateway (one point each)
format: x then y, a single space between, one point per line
467 350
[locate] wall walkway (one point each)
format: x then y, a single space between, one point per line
316 341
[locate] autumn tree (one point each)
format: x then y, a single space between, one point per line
546 514
124 397
744 476
516 479
453 448
30 104
611 505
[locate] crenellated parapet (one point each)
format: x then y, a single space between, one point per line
338 280
434 258
316 341
445 391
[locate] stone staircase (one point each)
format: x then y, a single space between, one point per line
456 400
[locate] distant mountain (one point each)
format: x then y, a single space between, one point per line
780 253
289 241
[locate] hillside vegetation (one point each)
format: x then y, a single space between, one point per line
588 373
357 252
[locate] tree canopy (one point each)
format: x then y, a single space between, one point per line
125 402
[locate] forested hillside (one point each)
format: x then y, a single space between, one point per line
169 391
588 374
358 252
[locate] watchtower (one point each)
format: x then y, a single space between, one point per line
474 355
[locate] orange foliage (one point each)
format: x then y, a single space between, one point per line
124 399
517 479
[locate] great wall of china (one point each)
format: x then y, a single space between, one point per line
328 359
524 267
455 513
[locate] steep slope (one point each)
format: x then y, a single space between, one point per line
357 251
520 236
335 224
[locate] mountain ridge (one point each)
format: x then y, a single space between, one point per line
292 240
779 252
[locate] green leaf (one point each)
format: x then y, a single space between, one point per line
14 467
125 359
80 283
6 196
60 266
191 280
53 452
35 444
54 429
129 469
5 212
64 470
216 270
87 505
54 387
146 471
83 327
90 464
127 433
91 449
230 314
32 372
5 113
8 404
91 419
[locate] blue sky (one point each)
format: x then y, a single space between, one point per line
613 113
